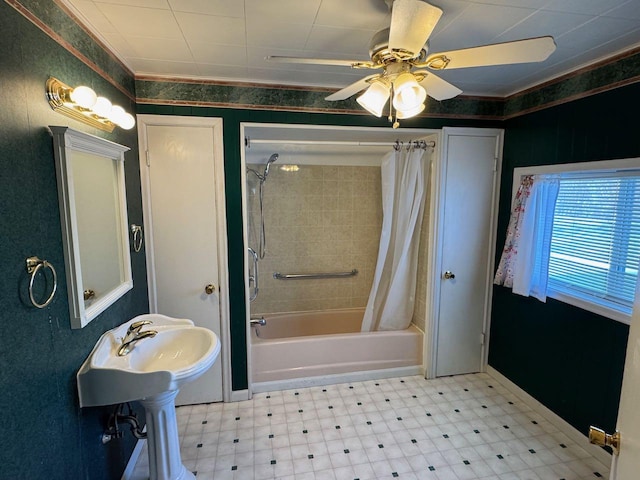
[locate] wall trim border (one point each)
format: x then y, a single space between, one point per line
39 23
302 109
579 83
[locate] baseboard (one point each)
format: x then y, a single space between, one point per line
566 428
239 395
133 459
322 380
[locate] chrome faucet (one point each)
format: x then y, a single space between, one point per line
134 334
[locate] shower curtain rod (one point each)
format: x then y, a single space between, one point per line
397 143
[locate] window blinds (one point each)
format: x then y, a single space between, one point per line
595 247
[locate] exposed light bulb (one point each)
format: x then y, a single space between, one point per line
83 96
127 121
116 114
82 104
375 98
102 107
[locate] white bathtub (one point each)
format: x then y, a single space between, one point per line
312 344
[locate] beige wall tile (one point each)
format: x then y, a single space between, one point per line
322 219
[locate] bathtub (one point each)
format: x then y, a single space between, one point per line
329 344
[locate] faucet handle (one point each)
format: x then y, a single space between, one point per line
136 326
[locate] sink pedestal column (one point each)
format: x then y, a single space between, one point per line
165 462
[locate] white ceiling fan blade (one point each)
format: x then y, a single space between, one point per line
436 87
323 61
519 51
412 22
352 89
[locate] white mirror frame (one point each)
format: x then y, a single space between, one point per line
65 142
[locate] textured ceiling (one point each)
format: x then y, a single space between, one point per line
228 39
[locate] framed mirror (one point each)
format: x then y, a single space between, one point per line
93 211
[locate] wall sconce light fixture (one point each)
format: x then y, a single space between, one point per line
82 103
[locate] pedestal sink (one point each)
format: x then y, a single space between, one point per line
151 373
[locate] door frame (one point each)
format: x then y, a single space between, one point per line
221 224
413 133
436 238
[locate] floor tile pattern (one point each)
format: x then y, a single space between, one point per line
454 428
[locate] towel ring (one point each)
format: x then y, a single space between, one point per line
33 265
136 230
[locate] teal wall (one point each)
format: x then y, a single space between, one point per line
45 434
544 348
569 359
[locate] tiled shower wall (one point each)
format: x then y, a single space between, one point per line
322 219
318 219
420 310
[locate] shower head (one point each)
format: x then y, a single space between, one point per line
272 159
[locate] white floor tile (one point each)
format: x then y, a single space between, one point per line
454 428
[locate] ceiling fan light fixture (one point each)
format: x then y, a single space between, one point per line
375 97
408 93
402 114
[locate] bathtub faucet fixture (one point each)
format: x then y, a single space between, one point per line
258 321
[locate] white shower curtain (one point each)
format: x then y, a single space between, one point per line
392 297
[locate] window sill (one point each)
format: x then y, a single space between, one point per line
607 312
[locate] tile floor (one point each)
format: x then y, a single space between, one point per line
455 428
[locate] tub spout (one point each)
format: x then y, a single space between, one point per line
258 321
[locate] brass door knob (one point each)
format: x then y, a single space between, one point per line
449 275
599 437
209 289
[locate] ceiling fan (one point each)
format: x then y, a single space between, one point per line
401 52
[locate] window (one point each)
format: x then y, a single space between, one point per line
595 244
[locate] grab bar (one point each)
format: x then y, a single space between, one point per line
300 276
254 278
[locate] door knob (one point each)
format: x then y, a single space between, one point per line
209 289
599 437
449 275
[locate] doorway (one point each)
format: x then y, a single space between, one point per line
182 177
463 225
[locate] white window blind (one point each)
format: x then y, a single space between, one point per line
595 247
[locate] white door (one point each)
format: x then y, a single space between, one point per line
469 164
627 465
182 239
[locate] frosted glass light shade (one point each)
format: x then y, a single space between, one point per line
374 98
408 93
401 114
83 96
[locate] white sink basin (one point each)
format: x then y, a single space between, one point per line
179 353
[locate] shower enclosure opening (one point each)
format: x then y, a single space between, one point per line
322 215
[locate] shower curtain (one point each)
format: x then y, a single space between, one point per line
392 297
